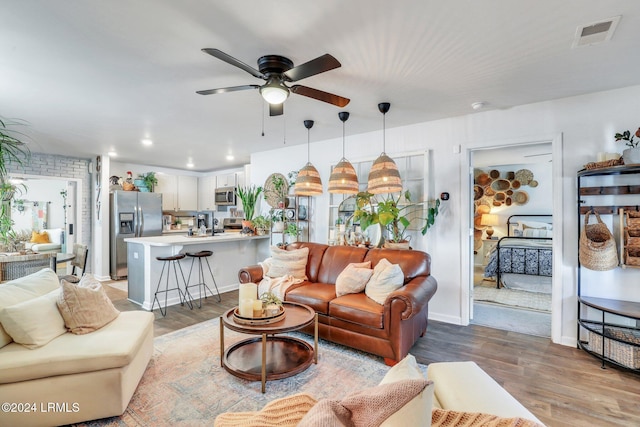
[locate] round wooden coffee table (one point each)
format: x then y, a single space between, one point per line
271 356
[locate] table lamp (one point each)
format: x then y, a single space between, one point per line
489 220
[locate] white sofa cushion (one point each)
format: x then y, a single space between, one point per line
25 288
85 306
55 235
464 386
112 346
386 278
34 322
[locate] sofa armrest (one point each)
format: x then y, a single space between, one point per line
250 274
415 295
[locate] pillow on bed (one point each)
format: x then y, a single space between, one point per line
536 232
533 224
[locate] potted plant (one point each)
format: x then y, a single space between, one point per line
147 181
249 197
12 150
280 188
262 224
271 303
277 219
291 231
178 223
631 155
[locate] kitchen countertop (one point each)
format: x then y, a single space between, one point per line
183 239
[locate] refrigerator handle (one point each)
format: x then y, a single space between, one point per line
140 222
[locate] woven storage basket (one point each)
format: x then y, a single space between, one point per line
597 246
631 241
626 354
632 257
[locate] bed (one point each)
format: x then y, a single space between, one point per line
526 250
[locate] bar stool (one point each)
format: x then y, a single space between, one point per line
168 262
201 284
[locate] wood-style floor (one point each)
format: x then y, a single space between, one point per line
562 386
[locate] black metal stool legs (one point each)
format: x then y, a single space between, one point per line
168 261
202 286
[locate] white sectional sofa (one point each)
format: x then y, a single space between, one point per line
72 378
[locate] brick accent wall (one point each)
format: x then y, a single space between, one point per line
65 167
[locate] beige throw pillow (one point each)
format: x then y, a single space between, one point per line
417 412
85 306
34 322
292 263
386 278
353 278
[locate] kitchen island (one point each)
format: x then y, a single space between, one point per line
231 251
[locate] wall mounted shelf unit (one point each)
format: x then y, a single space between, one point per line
609 328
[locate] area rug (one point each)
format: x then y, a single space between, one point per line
528 322
523 282
184 384
513 297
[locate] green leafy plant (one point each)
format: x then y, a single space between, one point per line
292 229
262 222
249 197
270 298
150 180
627 136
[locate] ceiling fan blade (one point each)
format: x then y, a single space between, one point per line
319 65
276 109
227 89
320 95
233 61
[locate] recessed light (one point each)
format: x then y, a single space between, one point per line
112 154
190 165
147 142
230 157
478 105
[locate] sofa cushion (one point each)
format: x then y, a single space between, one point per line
412 263
315 295
25 288
113 346
336 259
46 247
39 237
386 278
85 307
357 308
353 278
316 252
34 322
285 263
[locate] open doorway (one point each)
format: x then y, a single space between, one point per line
512 245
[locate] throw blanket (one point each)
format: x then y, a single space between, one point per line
444 418
277 285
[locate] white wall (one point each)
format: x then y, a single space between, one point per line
43 190
587 125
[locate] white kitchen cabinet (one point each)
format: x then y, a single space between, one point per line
206 193
179 193
187 193
226 180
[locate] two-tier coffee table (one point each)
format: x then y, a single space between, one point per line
271 356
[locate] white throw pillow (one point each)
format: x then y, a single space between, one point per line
534 224
417 412
386 278
35 322
353 278
286 262
23 289
537 232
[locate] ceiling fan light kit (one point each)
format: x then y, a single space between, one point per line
277 70
308 182
343 179
384 176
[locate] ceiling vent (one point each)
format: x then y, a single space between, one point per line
595 32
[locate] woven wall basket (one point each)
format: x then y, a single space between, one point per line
597 246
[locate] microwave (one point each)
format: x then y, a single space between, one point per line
225 196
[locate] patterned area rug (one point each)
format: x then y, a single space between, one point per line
184 384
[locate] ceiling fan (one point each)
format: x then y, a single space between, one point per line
278 70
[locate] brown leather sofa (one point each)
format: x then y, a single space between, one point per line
355 320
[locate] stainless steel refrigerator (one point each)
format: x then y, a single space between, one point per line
132 214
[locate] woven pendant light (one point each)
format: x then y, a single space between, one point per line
308 182
343 179
384 176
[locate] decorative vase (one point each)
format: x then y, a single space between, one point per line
302 212
247 225
631 156
397 245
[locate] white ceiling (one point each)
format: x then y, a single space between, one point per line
92 76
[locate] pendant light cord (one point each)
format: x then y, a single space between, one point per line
343 140
308 145
384 133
